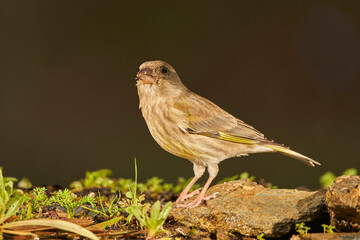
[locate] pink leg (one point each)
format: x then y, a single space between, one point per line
201 196
184 194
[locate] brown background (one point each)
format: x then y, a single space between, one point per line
68 101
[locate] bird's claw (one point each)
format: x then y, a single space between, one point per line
183 197
211 196
197 201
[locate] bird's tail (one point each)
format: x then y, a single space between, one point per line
288 152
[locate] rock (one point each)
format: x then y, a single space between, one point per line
249 209
343 200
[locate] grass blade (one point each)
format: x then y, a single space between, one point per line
60 224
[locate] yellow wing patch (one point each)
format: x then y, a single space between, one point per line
229 137
235 138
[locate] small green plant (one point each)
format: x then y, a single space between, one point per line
152 185
10 199
156 219
191 232
110 210
70 202
244 175
328 228
98 178
35 201
133 199
112 207
350 172
301 228
156 185
24 183
123 184
135 208
260 237
328 178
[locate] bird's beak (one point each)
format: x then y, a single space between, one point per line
146 76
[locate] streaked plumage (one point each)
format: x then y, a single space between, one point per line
192 127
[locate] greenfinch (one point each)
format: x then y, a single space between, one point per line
192 127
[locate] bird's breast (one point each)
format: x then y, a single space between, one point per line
163 125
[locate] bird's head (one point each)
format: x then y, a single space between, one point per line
156 73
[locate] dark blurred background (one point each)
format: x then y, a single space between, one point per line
68 101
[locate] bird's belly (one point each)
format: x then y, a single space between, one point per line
178 143
195 148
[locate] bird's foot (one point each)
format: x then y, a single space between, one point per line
197 201
211 196
184 196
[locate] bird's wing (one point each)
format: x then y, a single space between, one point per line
201 116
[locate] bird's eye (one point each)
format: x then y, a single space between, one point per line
164 70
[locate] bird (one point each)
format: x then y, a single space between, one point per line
192 127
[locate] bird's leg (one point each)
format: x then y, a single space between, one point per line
184 194
199 170
213 170
201 196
